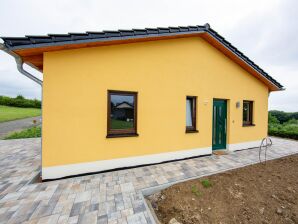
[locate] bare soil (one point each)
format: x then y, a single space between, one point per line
254 194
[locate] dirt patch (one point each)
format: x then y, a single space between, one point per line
253 194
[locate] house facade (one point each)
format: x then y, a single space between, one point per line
129 99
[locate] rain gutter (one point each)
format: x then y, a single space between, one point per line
20 64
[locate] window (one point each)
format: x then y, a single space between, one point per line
247 113
122 114
191 102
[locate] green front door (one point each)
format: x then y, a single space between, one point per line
219 128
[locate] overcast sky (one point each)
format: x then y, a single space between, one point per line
266 31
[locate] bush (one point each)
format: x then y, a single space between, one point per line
272 119
206 183
288 129
282 116
33 132
19 101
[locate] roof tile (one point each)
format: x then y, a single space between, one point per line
18 42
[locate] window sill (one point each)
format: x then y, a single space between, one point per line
122 135
191 131
248 125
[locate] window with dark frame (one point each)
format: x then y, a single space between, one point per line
122 114
247 113
191 108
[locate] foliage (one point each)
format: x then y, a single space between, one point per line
20 101
283 124
195 191
33 132
206 183
282 116
272 119
14 113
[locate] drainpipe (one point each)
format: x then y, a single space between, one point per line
20 64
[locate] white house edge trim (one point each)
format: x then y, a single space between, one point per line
244 145
54 172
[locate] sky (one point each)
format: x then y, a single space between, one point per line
266 31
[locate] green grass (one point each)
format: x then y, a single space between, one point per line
14 113
206 183
117 124
33 132
195 191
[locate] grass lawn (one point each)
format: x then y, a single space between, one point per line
14 113
33 132
117 124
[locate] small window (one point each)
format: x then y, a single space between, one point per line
191 106
122 114
247 113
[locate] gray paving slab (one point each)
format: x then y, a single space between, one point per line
17 125
111 197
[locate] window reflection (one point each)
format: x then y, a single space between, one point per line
122 111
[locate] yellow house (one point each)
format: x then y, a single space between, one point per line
124 98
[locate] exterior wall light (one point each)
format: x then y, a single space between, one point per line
237 104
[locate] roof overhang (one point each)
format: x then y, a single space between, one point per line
31 50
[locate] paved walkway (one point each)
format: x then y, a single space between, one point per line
112 197
17 125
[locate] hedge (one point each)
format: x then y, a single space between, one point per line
286 130
19 101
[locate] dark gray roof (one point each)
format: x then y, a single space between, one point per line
61 39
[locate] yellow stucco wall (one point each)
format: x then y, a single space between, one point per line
163 73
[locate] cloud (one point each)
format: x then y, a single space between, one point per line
264 30
269 39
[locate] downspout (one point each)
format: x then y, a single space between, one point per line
20 64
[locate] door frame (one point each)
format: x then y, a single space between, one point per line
226 123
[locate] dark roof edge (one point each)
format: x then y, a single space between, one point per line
244 58
30 41
89 40
15 43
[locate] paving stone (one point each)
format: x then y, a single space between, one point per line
138 218
73 219
84 196
43 210
111 197
49 219
103 219
77 209
90 218
93 207
62 219
127 187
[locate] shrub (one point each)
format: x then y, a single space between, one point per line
19 101
206 183
282 116
272 119
33 132
195 191
286 130
283 124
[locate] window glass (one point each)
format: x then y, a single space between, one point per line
247 112
122 114
122 111
189 112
